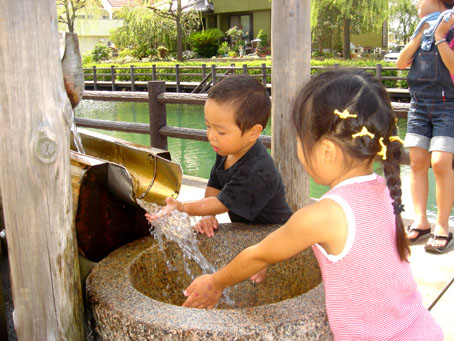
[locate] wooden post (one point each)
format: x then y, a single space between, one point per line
133 81
204 71
35 175
158 116
95 79
264 74
291 39
112 76
245 69
378 71
177 77
213 74
153 72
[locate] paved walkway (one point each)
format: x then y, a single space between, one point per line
433 272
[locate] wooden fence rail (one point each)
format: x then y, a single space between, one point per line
159 131
115 77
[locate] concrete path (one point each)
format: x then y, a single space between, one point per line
433 272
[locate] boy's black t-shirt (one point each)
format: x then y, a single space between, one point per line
252 189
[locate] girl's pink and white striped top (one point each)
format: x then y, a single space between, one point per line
370 293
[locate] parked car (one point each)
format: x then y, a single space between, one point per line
393 54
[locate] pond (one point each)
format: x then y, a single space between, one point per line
196 158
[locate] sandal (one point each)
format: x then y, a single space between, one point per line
421 234
442 249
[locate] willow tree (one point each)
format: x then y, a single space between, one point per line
354 16
404 16
177 16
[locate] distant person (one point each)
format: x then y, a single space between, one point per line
430 125
244 180
344 121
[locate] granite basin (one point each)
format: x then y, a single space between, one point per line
132 294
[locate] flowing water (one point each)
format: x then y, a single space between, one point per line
177 227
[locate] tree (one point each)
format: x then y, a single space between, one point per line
403 19
176 15
327 22
354 15
67 11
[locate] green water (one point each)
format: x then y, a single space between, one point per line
197 158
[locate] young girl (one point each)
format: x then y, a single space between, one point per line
344 121
430 131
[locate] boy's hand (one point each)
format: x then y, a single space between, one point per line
202 293
207 225
259 276
171 205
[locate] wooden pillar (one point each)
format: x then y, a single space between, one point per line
177 78
158 116
133 80
112 77
291 54
35 175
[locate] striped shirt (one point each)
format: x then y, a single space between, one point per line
370 293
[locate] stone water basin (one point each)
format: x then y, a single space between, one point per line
132 294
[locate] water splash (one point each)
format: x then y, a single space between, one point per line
76 137
178 228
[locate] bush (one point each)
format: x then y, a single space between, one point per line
163 51
206 43
101 52
224 49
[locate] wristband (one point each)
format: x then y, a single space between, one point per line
440 41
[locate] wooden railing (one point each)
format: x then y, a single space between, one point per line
127 77
159 131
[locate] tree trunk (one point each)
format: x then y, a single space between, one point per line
291 37
35 175
179 32
347 54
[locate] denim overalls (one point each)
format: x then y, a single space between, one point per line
431 116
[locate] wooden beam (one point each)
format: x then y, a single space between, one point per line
291 56
35 175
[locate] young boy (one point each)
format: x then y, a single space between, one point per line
244 180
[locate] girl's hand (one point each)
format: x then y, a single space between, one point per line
443 28
202 293
207 225
171 205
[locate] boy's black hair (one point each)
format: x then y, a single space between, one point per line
248 96
317 114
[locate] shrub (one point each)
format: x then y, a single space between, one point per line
206 43
101 52
163 51
224 49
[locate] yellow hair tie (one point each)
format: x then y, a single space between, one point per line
383 150
344 114
363 132
396 138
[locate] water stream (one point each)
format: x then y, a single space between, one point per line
177 227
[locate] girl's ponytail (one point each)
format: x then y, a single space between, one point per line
392 175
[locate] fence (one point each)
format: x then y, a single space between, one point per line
197 78
159 131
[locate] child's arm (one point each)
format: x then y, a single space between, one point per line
446 52
323 222
207 224
406 55
202 207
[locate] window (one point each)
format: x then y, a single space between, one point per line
243 22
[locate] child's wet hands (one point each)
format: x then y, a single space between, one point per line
207 225
202 293
259 276
171 205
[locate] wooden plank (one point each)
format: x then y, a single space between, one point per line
290 38
35 176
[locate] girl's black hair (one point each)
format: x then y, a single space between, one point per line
448 3
361 94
